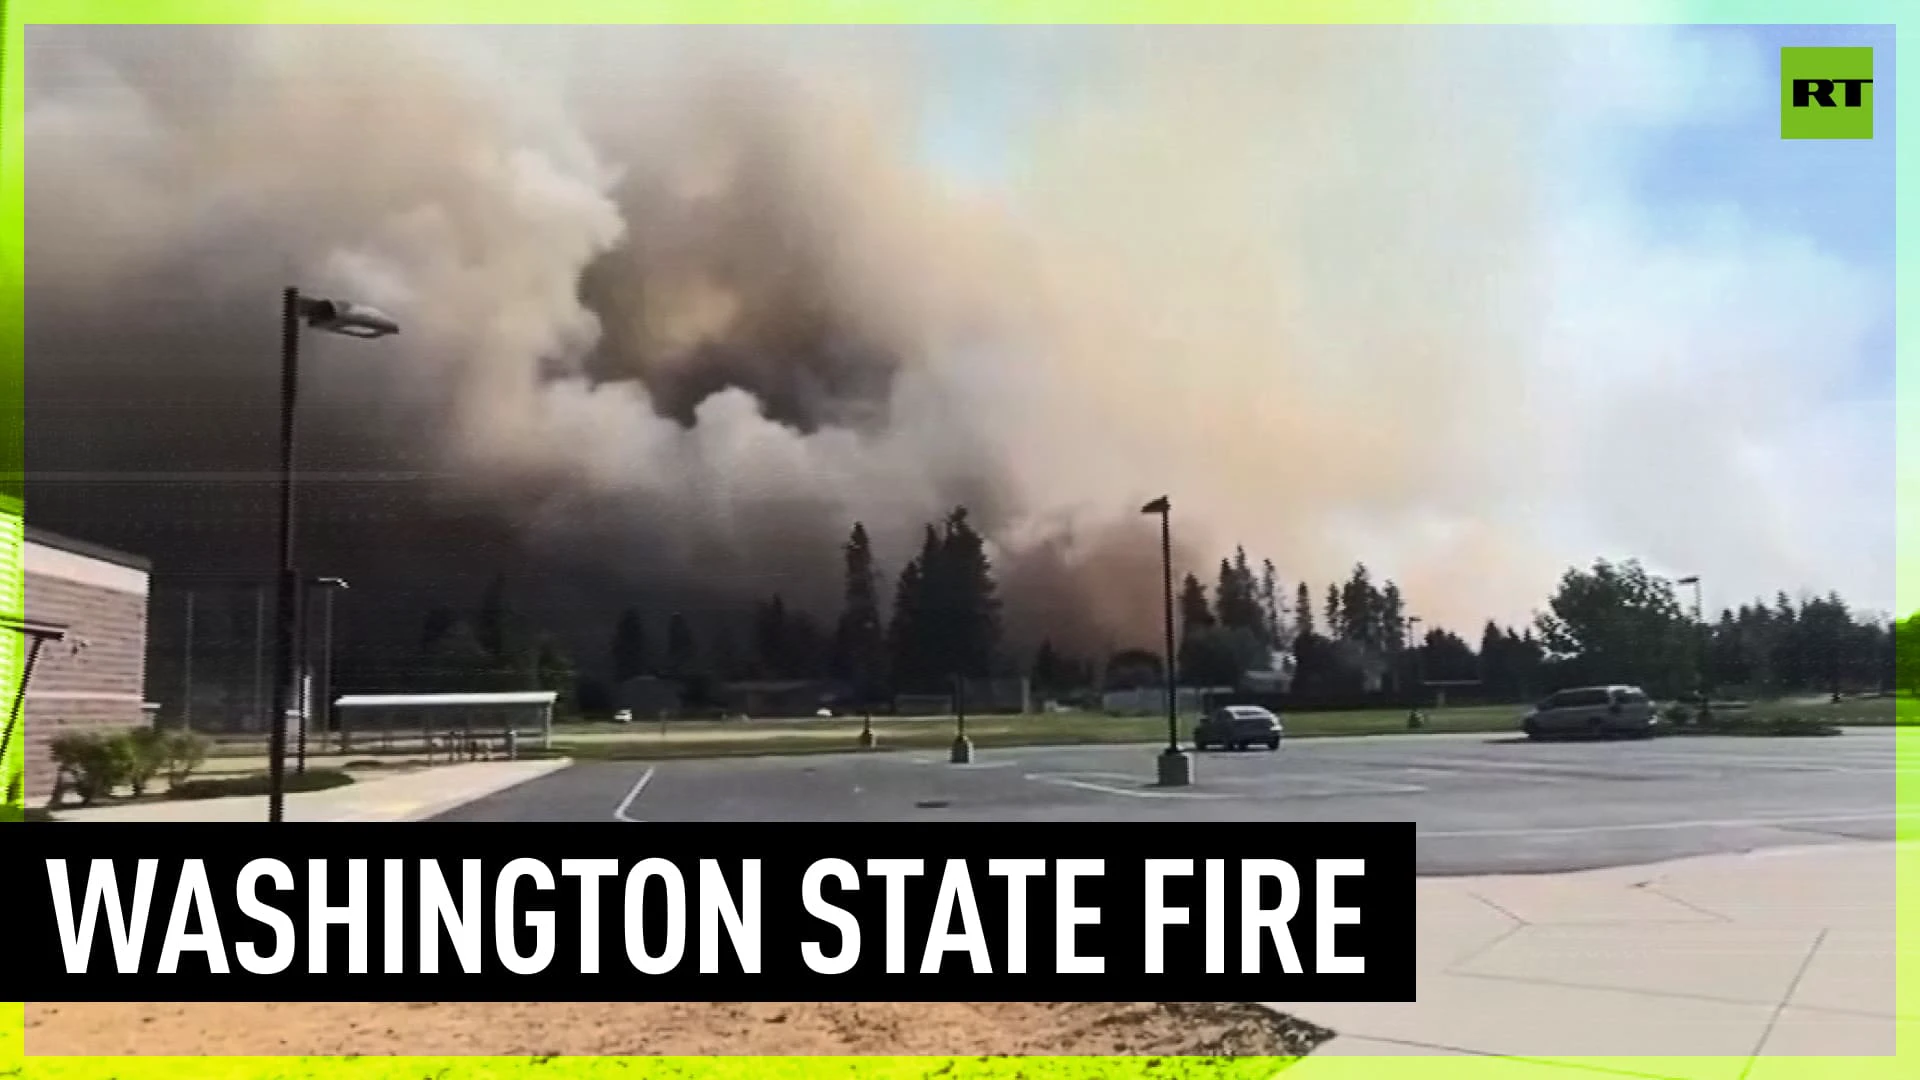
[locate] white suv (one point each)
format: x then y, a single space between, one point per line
1594 711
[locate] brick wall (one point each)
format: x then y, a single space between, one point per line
94 680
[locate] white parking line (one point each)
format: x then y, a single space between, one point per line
1073 780
1657 826
1305 783
620 812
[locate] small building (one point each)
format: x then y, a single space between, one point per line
94 678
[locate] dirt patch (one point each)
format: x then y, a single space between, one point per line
951 1029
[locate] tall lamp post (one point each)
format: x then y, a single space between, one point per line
324 679
1175 767
1413 643
1700 647
334 317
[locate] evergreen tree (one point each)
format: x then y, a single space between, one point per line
491 622
1194 611
911 632
1337 625
1048 669
1303 610
1392 629
554 670
970 606
770 640
680 649
628 649
860 639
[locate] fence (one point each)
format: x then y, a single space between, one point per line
460 725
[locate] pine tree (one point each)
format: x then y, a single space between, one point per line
1194 611
628 649
680 648
770 639
971 606
491 622
859 639
1303 610
1270 604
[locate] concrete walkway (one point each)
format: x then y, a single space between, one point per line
1719 966
414 795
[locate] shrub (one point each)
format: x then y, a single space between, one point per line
93 764
184 753
146 756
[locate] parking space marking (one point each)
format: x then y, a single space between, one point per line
1077 780
626 804
1818 818
1283 783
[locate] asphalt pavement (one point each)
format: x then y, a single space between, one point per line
1483 804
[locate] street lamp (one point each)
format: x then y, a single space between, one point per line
330 585
334 317
1700 647
1176 768
1413 640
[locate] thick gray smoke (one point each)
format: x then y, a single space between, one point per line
681 305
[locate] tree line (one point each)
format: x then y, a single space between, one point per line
1353 640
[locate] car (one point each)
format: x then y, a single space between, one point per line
623 716
1236 727
1597 712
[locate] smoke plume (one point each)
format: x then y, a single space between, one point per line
681 305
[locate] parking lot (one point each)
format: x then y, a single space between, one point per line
1483 804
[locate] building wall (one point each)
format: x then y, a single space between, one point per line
95 680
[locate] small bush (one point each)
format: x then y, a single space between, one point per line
146 755
93 765
184 753
1777 726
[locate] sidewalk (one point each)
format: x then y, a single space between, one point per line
410 796
1715 964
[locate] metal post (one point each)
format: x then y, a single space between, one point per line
186 677
1166 581
19 702
283 653
303 674
326 664
1175 767
962 746
259 649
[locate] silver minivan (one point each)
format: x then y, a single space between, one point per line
1596 712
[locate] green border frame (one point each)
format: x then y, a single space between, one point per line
17 13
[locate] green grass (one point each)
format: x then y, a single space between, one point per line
258 784
681 739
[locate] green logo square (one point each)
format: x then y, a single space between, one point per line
1826 93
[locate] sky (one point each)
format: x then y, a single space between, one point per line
1469 304
1675 172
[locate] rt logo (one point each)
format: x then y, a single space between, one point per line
1826 93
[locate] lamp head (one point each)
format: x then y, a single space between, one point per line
351 320
1160 505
